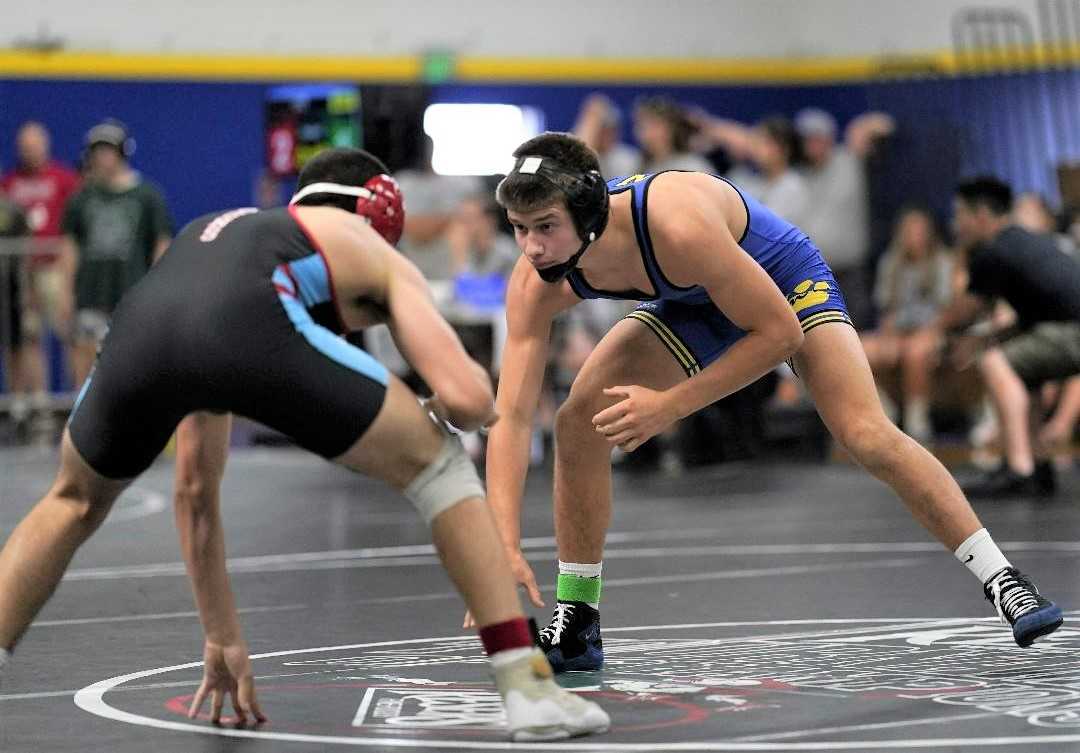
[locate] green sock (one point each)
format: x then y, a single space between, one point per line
576 588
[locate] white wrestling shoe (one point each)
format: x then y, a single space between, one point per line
537 708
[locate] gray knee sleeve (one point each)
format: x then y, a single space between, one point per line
449 479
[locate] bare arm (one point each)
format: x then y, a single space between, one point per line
735 138
867 128
964 310
201 450
531 306
697 246
431 346
590 122
202 446
369 274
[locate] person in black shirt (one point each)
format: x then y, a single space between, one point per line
1042 285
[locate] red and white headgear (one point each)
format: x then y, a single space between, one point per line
379 201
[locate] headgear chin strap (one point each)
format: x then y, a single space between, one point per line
586 199
379 201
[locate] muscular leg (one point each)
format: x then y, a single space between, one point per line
834 368
398 446
39 550
401 443
628 354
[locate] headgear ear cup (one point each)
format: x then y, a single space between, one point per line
379 201
384 207
590 205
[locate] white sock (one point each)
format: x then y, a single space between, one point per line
582 570
509 656
5 657
981 555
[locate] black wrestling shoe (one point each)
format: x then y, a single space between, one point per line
571 641
1005 483
1019 603
1045 478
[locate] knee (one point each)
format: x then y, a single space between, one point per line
917 352
192 485
82 509
573 423
872 441
575 414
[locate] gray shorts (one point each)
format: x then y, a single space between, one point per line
1048 351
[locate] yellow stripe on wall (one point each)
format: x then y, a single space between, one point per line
93 65
99 65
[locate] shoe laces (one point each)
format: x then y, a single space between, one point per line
559 621
1013 596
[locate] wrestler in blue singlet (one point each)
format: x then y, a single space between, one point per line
685 319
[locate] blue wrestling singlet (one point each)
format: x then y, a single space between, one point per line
685 319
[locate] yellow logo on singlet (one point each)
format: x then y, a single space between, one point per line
630 180
808 293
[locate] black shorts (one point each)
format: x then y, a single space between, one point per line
166 357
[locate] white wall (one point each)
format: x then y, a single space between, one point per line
612 28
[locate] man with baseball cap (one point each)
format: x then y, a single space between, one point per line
114 229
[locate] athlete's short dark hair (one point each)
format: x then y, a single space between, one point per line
343 165
527 193
988 192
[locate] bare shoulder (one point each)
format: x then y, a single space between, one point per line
690 202
359 259
689 213
330 226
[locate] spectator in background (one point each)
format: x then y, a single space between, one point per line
1033 213
433 202
115 227
599 125
481 259
914 284
663 128
764 157
1042 285
835 176
1072 224
13 227
477 248
41 187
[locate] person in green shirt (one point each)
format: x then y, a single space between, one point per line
115 227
